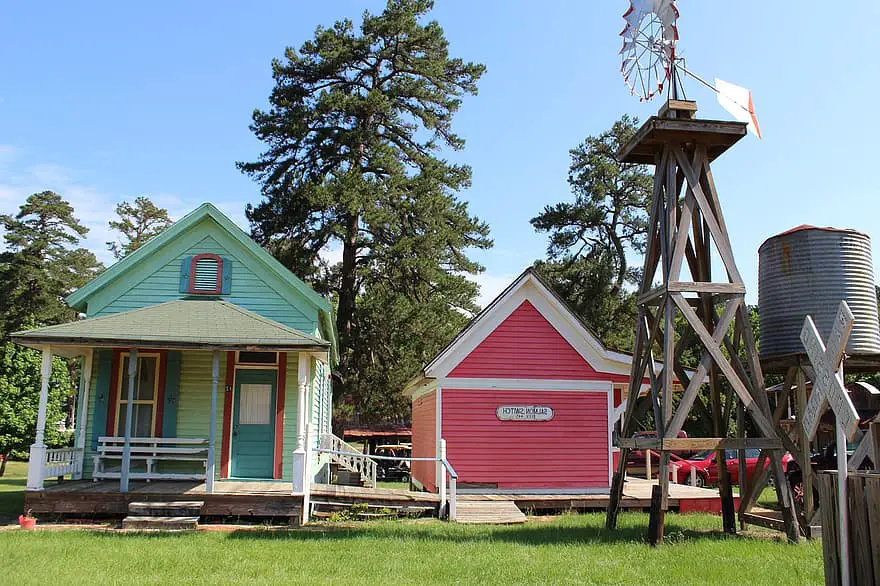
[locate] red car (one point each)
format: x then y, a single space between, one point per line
707 469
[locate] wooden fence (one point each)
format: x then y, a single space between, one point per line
863 496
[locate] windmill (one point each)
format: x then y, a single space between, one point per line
686 231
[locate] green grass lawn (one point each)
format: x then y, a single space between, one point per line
564 549
12 485
555 550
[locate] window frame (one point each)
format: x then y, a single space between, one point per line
192 274
257 365
123 380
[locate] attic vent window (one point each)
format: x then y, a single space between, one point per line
206 274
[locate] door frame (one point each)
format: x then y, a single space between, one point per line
270 372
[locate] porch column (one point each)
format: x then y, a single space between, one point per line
82 410
212 433
129 409
38 448
301 453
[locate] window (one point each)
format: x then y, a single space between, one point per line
146 387
206 274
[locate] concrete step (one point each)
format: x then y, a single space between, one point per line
166 509
162 523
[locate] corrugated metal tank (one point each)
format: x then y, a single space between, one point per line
808 271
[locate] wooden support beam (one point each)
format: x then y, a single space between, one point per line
681 444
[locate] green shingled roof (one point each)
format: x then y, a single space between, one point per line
176 324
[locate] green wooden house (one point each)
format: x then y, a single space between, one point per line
203 358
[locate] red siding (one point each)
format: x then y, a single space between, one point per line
424 439
569 451
525 345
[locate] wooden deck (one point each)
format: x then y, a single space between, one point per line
258 499
262 499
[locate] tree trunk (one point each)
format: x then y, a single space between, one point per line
5 458
347 293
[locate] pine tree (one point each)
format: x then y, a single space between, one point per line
42 263
591 238
137 223
353 135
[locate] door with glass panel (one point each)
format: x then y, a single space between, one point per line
146 387
253 424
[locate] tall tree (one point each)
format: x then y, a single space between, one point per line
137 223
20 400
592 237
353 134
42 263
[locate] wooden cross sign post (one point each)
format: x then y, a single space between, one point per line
828 389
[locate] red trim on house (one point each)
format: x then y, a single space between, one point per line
160 394
227 415
192 275
112 395
279 412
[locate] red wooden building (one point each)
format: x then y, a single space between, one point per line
525 397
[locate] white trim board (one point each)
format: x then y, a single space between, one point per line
522 384
535 491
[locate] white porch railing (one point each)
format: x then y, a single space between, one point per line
61 462
349 457
448 476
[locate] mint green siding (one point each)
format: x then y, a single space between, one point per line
291 407
193 408
253 287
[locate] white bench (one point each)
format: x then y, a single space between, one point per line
151 451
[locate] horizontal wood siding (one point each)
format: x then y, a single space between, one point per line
159 282
569 451
291 403
194 404
525 345
424 439
89 451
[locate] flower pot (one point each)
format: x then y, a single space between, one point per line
27 522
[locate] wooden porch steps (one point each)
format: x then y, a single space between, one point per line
488 512
161 523
163 515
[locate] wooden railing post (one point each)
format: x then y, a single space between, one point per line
442 480
648 464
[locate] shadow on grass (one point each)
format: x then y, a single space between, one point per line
535 534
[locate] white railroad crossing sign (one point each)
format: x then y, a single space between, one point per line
828 387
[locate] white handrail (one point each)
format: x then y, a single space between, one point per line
448 498
349 457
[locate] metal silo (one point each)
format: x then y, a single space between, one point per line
808 271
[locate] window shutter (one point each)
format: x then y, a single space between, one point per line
104 360
172 393
185 266
227 276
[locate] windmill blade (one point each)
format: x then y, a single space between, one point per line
738 101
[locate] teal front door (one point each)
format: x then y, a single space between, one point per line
253 424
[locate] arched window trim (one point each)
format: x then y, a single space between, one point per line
192 274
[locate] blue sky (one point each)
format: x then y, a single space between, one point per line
106 101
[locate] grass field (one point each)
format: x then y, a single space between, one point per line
557 550
12 485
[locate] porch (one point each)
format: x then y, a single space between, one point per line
195 389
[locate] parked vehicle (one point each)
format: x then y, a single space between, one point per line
824 459
707 466
636 464
393 470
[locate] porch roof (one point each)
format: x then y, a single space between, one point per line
196 324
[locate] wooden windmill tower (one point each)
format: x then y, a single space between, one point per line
686 230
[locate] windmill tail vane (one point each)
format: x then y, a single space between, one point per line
648 60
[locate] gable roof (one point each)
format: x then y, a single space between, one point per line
79 298
201 324
527 286
554 310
